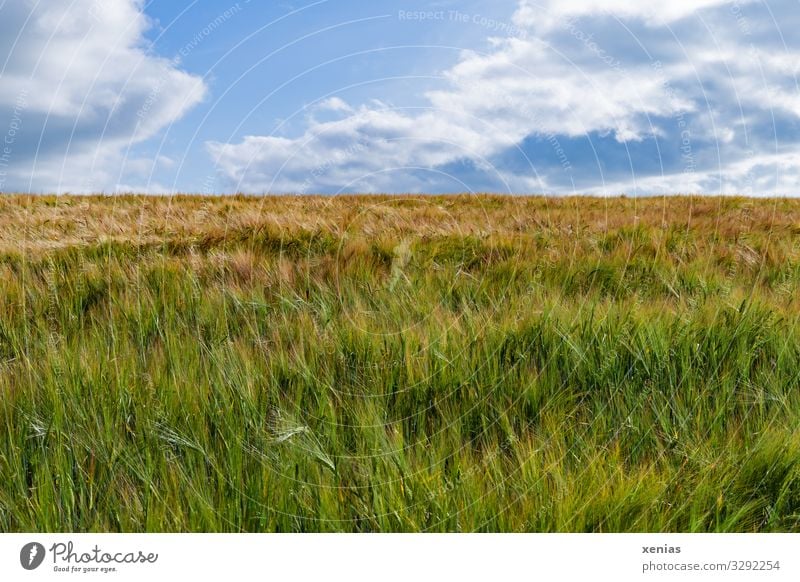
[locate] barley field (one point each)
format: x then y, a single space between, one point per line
399 363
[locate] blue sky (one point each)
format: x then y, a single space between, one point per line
521 96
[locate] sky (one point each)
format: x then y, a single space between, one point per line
557 97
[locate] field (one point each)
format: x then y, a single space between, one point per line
466 363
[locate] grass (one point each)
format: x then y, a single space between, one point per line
469 363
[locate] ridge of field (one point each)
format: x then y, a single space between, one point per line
399 363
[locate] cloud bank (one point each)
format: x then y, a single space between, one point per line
79 86
597 96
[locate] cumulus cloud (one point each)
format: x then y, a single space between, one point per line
599 96
549 13
79 86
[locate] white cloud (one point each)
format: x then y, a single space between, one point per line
355 152
334 104
548 13
757 175
91 87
